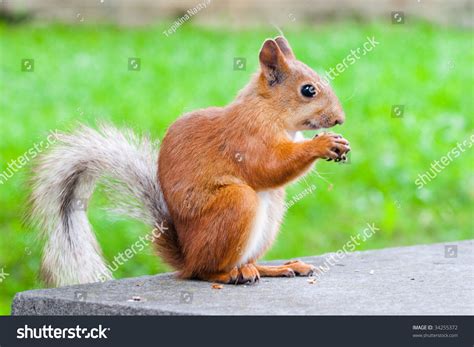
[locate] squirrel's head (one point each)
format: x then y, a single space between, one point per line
291 85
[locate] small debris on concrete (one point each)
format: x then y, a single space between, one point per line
312 280
371 272
217 286
135 299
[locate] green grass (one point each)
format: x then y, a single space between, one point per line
81 75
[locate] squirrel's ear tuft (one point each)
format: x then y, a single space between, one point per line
272 62
285 47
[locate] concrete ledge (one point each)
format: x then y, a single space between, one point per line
419 280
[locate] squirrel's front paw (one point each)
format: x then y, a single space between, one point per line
331 146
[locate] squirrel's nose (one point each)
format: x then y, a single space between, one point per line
339 117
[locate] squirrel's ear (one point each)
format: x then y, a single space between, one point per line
272 62
285 47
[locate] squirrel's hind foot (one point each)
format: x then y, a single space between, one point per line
289 269
245 274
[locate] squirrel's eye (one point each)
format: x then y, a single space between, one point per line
308 90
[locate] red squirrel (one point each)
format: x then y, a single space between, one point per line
215 187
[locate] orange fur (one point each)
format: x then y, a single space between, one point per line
214 161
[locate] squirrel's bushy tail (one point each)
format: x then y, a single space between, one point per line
63 181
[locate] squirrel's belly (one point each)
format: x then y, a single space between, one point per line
265 225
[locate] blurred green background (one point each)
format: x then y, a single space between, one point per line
81 74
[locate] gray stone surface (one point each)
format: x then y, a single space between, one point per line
417 280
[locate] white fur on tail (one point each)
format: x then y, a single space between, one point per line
64 179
